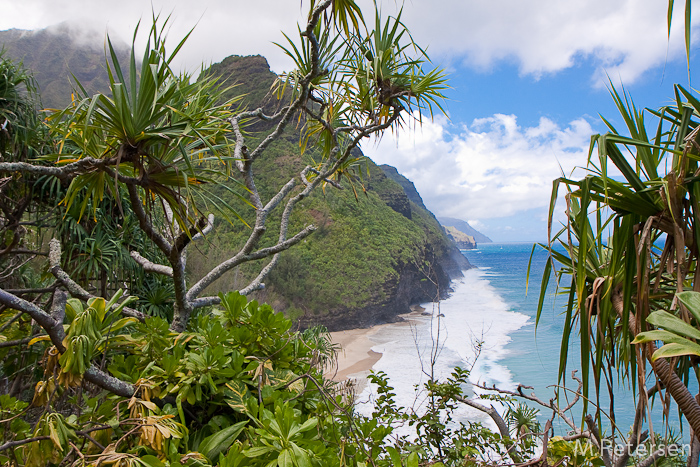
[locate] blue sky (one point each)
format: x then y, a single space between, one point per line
566 100
528 80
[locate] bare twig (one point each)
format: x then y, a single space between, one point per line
21 442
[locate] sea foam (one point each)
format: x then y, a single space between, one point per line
469 329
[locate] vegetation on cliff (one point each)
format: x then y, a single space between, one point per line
374 248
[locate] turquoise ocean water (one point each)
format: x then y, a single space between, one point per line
488 305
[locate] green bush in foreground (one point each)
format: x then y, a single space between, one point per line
237 388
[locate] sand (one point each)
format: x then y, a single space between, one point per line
356 357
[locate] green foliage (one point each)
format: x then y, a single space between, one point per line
231 384
236 384
89 333
20 129
619 232
439 438
155 125
374 74
355 258
677 335
578 453
238 388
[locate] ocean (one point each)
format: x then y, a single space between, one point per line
489 306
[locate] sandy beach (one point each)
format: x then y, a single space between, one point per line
356 357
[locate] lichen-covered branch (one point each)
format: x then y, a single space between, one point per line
150 266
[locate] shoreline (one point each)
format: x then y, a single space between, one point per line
356 357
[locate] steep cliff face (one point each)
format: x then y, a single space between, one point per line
453 262
408 187
377 249
462 240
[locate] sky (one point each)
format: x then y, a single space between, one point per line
528 82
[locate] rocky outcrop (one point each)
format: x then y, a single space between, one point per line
464 227
408 187
392 194
462 240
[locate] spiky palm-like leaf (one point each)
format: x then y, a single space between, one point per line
154 126
631 243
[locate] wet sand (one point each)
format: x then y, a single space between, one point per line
356 357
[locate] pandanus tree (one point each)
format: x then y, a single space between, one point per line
162 139
628 259
21 138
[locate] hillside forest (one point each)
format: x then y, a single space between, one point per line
144 225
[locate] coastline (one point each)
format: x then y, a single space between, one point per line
356 357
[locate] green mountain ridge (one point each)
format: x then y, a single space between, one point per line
367 262
372 256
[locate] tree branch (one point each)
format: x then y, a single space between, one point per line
208 228
498 420
40 316
185 238
67 171
604 451
21 442
14 343
73 287
55 267
656 455
145 223
257 284
241 258
106 381
149 266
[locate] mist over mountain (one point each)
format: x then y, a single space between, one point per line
59 53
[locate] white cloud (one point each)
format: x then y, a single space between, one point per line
491 168
624 37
